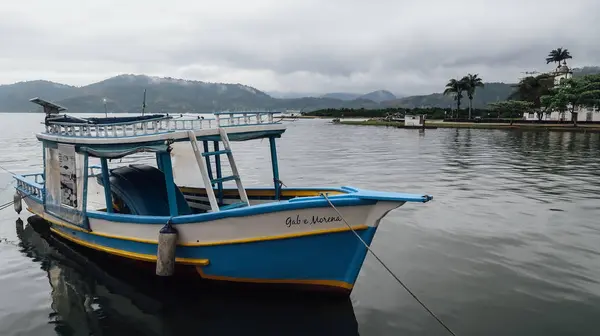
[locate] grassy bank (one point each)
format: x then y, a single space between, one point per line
441 124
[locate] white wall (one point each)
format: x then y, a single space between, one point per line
411 120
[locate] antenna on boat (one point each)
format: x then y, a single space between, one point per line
105 110
144 103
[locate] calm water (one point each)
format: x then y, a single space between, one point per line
510 245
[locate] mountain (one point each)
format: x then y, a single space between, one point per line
491 92
15 97
376 96
289 94
124 93
586 70
341 95
379 96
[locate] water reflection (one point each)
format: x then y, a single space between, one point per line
92 295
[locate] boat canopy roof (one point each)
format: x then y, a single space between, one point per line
68 119
115 137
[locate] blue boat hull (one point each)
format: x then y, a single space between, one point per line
330 261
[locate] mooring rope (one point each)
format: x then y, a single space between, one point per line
387 268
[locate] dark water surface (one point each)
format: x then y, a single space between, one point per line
510 245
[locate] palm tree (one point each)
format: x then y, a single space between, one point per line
456 88
471 82
532 89
557 55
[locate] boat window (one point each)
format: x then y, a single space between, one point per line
64 183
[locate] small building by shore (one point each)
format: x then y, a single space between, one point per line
414 120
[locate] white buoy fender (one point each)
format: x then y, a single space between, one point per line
17 203
165 254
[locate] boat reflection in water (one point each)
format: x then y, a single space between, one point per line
93 294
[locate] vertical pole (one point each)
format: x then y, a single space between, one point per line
106 183
207 158
275 167
168 170
159 162
85 191
219 172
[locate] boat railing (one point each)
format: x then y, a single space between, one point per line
30 188
156 126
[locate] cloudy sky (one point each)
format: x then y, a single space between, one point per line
407 47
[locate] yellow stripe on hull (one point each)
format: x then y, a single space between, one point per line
329 283
127 254
220 242
264 193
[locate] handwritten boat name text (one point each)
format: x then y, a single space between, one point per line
311 220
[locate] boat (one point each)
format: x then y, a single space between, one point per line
175 213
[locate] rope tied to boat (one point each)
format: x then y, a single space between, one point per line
386 267
8 204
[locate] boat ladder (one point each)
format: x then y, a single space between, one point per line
209 181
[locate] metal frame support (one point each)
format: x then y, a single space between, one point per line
170 183
219 172
275 166
106 184
85 191
208 164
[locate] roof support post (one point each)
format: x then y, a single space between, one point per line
170 183
106 183
275 166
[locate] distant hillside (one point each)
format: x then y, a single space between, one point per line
379 96
491 92
341 95
376 96
586 70
124 93
15 97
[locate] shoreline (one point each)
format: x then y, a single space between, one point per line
514 126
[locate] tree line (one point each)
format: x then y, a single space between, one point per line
532 94
430 112
543 95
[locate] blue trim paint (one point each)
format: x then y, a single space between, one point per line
158 160
208 163
219 172
170 184
106 183
257 209
275 166
331 256
24 192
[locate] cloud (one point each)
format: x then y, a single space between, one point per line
408 47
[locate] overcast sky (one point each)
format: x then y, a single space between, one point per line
407 47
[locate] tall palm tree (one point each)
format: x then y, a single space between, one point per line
471 83
558 55
455 87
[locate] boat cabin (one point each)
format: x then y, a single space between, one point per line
191 148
